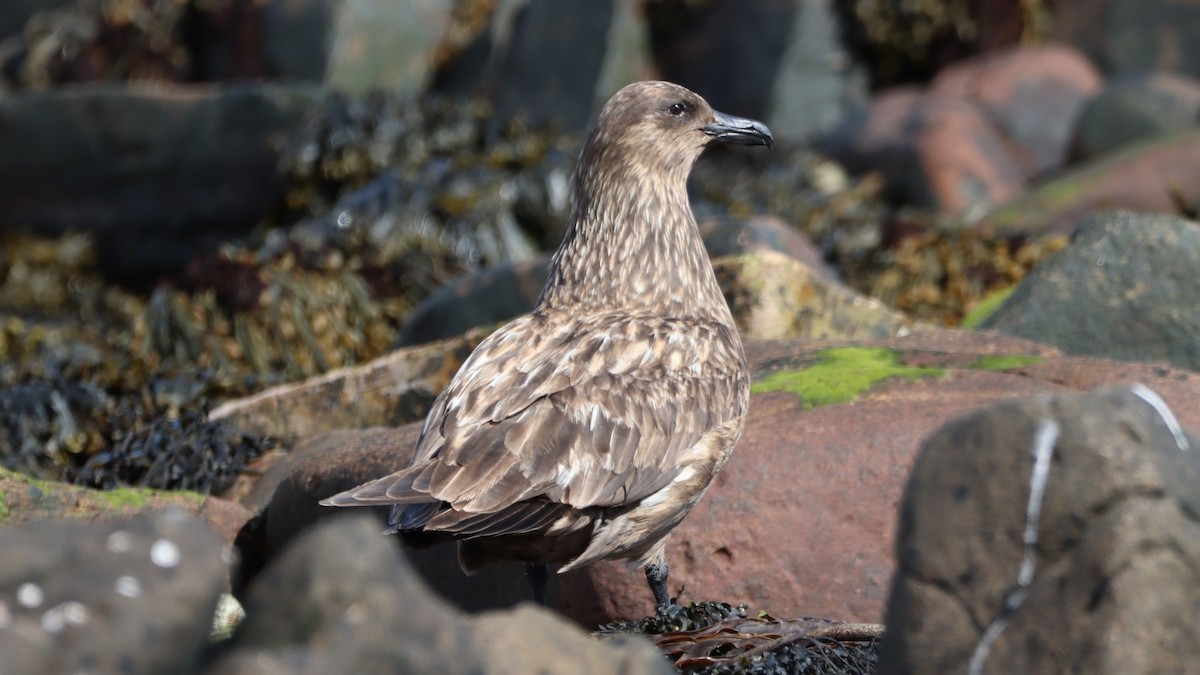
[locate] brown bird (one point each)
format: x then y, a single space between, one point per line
587 429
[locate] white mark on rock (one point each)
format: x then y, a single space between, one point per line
119 542
1043 450
1155 401
57 618
75 613
30 595
129 587
164 553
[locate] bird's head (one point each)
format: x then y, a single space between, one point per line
663 127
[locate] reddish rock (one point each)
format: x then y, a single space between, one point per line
802 519
933 150
1032 94
1158 175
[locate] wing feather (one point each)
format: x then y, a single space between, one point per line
566 415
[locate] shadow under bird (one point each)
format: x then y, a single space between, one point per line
587 429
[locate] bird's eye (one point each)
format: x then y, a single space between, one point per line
678 108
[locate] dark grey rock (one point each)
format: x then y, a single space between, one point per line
130 596
14 13
158 175
817 83
342 599
1125 37
1113 585
324 465
297 36
1135 108
383 45
342 593
1125 288
479 299
729 51
549 62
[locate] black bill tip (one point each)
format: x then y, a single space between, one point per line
740 130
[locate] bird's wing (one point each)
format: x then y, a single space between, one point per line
595 413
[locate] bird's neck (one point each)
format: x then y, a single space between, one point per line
633 246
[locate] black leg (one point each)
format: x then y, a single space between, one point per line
538 574
656 574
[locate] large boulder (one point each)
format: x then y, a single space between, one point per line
128 596
1055 534
342 599
800 521
1125 288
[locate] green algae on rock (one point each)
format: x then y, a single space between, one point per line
840 375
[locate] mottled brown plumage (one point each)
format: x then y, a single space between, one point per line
587 429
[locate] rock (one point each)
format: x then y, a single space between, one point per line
1032 94
382 45
561 647
132 596
729 51
1123 289
14 14
157 175
729 236
483 298
1128 37
1111 583
817 84
28 500
326 464
296 40
773 297
391 390
800 521
933 151
1135 108
501 292
549 65
368 612
1156 175
539 58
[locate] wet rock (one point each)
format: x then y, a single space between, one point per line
1104 487
393 390
549 65
28 500
1155 175
727 50
1124 289
133 596
816 83
296 39
1032 94
818 542
368 612
375 45
1135 108
483 299
326 464
774 297
1130 37
158 175
933 150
